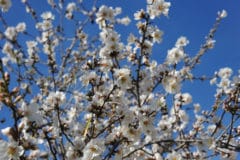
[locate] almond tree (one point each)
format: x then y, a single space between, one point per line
79 95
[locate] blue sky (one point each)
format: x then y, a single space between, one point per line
189 18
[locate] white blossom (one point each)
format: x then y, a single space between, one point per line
139 14
157 8
185 98
93 149
10 53
5 5
175 55
11 33
197 107
222 14
69 10
210 43
106 64
21 27
130 132
8 132
32 48
123 77
71 7
213 81
225 72
57 97
157 35
172 84
173 156
182 42
125 21
224 84
87 78
104 13
147 47
32 113
211 128
10 150
47 16
165 124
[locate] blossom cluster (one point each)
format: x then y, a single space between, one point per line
73 95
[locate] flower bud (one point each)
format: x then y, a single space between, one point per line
9 132
15 90
222 14
6 131
18 98
6 76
